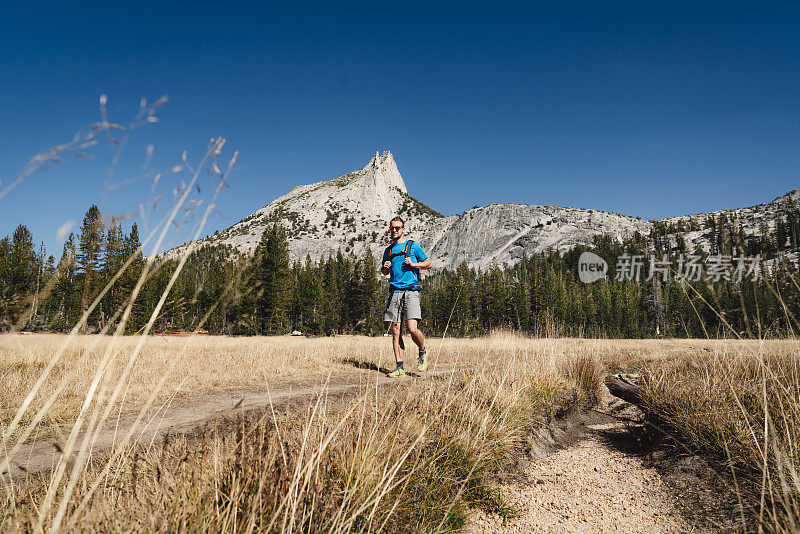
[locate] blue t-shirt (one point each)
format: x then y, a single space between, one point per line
402 276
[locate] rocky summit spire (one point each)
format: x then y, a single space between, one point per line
381 174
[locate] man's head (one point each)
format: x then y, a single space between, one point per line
396 228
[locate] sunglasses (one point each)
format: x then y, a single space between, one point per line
395 228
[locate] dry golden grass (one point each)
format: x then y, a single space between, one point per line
205 364
422 452
738 404
404 459
192 365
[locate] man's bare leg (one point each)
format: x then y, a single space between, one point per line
416 333
397 342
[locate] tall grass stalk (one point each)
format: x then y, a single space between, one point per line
104 391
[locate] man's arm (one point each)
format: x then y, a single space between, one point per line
419 253
425 264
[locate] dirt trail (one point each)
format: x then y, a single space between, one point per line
190 413
591 478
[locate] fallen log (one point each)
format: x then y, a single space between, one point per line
625 389
654 428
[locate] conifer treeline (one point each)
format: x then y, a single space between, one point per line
541 295
37 293
224 292
218 290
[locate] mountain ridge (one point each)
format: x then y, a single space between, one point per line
351 212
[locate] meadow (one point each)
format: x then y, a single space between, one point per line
417 455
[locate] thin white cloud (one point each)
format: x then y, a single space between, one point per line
64 229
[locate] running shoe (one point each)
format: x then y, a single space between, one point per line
422 365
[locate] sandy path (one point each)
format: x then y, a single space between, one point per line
588 488
598 485
190 413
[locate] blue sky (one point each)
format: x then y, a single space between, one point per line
627 107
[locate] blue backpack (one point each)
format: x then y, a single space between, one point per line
406 252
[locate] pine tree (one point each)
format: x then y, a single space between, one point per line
781 234
89 259
344 279
654 302
114 258
331 306
462 307
131 247
23 261
275 282
23 269
64 295
40 266
309 287
49 279
521 294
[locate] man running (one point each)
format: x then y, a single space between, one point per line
402 261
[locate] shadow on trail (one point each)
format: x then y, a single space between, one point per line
365 365
626 439
372 367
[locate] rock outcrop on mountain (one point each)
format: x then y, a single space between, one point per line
348 213
501 233
352 211
751 221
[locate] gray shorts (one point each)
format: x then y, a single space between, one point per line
400 303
